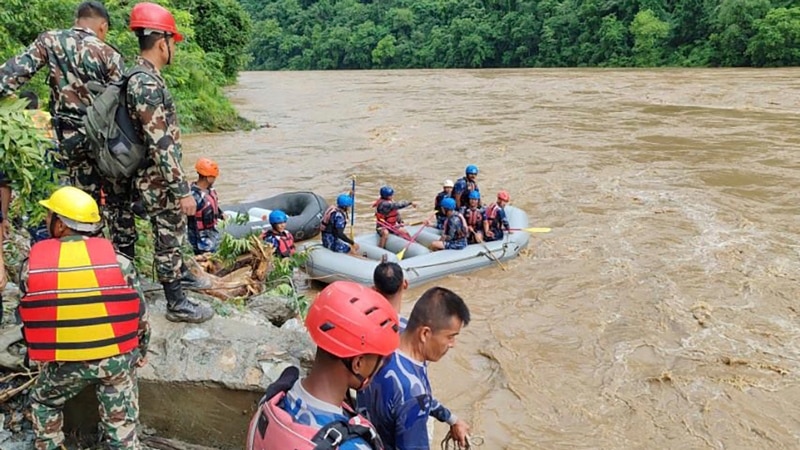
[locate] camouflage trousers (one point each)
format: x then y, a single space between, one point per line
117 393
169 229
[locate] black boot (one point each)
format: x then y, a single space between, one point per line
181 309
190 281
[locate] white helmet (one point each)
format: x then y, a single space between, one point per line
448 183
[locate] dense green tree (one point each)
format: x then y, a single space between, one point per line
648 32
777 38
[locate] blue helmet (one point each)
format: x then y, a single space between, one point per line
277 216
472 169
474 195
344 201
448 204
387 192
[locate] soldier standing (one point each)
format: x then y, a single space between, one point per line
162 185
83 318
75 58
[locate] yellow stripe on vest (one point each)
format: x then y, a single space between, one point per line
75 254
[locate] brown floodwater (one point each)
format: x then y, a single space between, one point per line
661 310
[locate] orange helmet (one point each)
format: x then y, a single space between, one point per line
348 319
503 195
207 167
149 16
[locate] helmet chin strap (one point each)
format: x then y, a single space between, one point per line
362 379
169 49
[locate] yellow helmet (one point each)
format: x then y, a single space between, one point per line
76 208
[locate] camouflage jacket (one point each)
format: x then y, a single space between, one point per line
153 113
128 271
74 57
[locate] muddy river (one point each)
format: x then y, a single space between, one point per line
661 311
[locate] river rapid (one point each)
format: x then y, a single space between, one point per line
660 312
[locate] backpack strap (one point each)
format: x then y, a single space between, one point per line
334 434
123 118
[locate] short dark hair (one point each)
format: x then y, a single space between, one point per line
33 99
92 9
388 278
436 308
148 41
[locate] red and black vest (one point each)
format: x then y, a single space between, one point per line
392 217
326 224
474 217
285 242
207 215
78 305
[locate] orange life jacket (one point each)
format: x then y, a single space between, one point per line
392 218
474 217
206 217
78 305
326 225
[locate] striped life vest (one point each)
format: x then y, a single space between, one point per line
326 224
492 215
78 305
285 242
208 214
272 428
474 217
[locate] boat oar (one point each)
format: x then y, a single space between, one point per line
532 230
353 208
402 233
402 252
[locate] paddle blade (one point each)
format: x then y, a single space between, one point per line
401 253
537 230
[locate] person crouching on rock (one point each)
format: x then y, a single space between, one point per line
333 224
278 236
387 216
202 226
355 330
454 234
83 319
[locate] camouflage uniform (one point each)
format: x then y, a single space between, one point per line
113 377
75 57
162 183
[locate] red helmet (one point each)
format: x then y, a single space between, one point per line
348 319
207 167
503 195
154 17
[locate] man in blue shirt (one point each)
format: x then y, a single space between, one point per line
400 399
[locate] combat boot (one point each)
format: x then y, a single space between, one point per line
190 281
181 309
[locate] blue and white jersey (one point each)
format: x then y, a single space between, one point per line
398 402
309 410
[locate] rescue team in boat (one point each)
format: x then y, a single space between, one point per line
83 314
458 210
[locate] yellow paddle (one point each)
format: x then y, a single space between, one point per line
402 252
532 230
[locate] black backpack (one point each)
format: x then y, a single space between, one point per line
114 143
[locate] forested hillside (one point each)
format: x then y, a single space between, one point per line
352 34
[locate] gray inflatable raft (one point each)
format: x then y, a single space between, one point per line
304 209
419 264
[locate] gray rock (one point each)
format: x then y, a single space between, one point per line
275 309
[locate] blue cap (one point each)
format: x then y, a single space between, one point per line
277 216
387 192
449 204
472 169
474 195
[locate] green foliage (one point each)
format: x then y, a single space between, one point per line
216 32
351 34
777 38
145 249
24 159
231 248
280 281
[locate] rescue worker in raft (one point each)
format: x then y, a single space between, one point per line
473 214
387 216
454 233
466 185
278 236
333 224
83 319
202 226
495 220
447 192
355 330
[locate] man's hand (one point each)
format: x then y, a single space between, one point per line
6 228
413 204
489 234
188 205
141 362
356 246
460 431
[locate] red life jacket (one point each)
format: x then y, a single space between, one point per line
285 240
474 217
78 305
272 428
326 225
491 211
207 215
460 234
392 218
